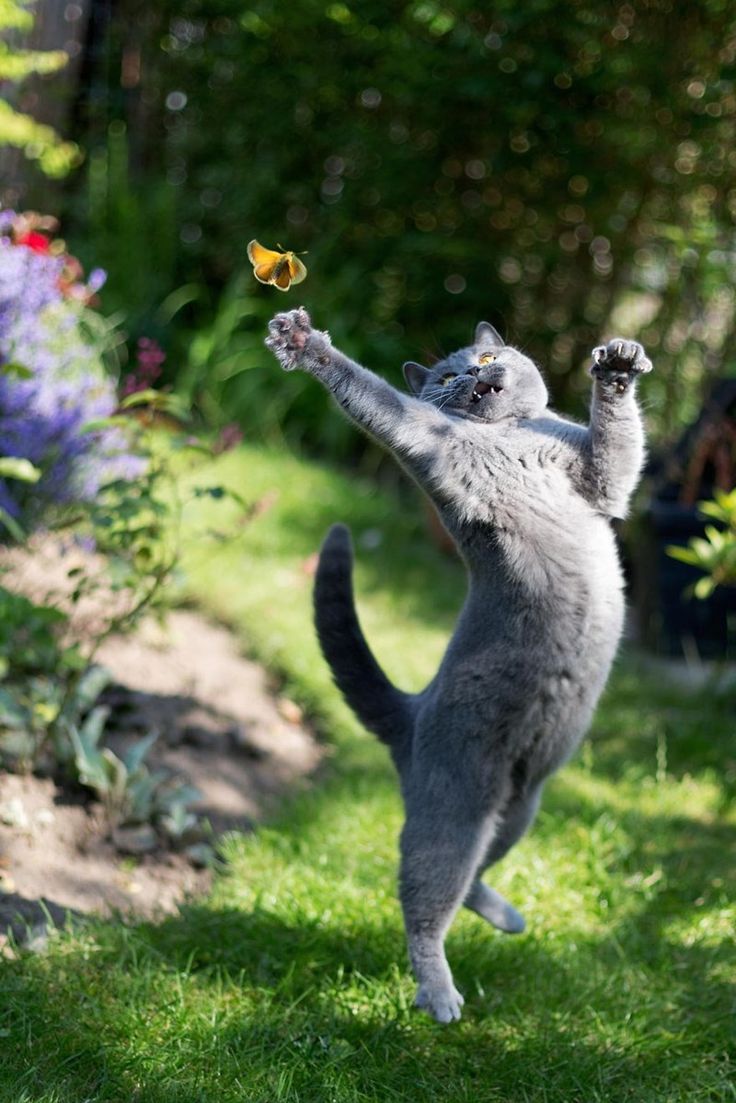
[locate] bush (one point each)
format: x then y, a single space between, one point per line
715 553
53 379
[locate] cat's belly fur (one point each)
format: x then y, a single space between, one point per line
530 655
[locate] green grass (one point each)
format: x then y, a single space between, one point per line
291 983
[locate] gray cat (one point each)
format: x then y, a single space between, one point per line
528 497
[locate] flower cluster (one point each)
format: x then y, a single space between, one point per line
53 381
150 357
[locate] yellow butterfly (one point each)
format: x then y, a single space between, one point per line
280 269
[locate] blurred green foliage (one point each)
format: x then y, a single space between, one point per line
563 169
39 143
715 553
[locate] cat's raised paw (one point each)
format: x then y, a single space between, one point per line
443 1002
288 334
618 362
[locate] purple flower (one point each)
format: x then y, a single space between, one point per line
43 416
96 279
149 358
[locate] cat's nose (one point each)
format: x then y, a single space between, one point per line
473 371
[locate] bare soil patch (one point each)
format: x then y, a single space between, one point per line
222 727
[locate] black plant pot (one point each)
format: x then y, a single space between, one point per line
671 620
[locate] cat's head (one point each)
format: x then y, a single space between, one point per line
488 380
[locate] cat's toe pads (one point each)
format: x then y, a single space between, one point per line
288 334
620 357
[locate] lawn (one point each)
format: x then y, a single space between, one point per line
290 983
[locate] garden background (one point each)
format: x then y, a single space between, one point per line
564 170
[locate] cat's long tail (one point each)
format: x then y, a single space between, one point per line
383 708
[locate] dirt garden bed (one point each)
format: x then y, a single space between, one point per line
222 727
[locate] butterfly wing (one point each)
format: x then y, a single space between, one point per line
297 269
264 261
257 254
264 272
278 269
282 278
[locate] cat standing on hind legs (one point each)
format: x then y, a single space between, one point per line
528 498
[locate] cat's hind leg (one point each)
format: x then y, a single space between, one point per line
494 908
440 851
481 898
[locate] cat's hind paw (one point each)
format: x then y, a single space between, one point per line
496 910
288 334
442 1001
619 362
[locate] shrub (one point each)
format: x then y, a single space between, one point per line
54 380
715 553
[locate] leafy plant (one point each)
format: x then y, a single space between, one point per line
130 792
715 553
108 469
36 670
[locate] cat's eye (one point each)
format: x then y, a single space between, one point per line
486 358
445 379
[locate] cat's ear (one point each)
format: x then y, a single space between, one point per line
485 334
415 376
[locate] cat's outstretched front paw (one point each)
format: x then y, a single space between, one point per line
619 362
288 334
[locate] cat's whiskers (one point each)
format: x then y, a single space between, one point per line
450 396
434 393
440 396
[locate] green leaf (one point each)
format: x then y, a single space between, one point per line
12 713
112 422
702 549
133 757
704 587
716 537
117 778
94 725
16 371
178 299
13 467
12 526
158 400
90 686
89 762
685 555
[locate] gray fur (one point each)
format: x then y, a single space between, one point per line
528 498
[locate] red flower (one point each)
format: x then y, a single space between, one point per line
39 243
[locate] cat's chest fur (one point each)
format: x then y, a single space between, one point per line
512 476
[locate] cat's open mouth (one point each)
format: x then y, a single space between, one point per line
483 388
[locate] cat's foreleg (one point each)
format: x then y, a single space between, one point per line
394 418
439 855
615 440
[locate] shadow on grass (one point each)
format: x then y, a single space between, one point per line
245 1006
271 1004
